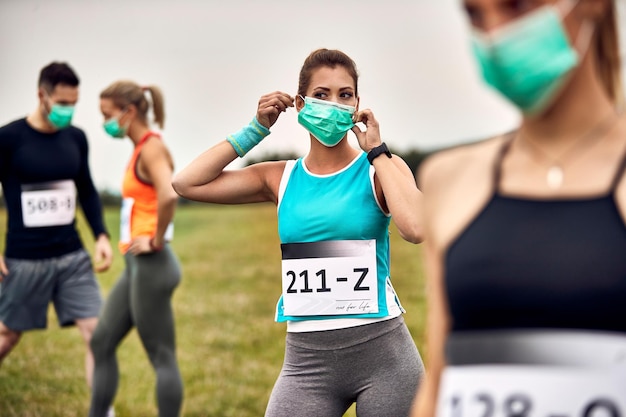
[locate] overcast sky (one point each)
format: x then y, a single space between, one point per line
213 59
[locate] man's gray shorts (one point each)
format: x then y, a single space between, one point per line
68 281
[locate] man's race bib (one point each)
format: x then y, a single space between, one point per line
532 391
48 203
329 278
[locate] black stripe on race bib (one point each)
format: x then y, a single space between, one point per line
49 186
326 249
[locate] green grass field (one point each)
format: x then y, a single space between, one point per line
229 348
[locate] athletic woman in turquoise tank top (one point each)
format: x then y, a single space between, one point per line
525 233
346 339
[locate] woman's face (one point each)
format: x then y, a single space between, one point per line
487 15
109 110
333 84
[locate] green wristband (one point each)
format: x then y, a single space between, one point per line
248 137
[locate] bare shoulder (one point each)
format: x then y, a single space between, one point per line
456 184
448 165
154 146
620 191
268 168
271 173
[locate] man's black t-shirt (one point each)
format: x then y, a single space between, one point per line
43 175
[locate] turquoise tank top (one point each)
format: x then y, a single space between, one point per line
335 207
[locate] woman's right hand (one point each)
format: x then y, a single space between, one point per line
271 106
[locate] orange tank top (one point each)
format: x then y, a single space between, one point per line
138 216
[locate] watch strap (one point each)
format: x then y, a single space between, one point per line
377 151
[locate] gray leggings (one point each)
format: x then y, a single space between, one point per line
376 365
140 298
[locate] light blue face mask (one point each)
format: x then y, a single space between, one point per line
60 116
529 59
326 120
113 128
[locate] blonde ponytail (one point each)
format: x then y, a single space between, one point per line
157 105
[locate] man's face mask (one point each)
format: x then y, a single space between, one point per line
60 116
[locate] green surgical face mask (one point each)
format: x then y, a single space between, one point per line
60 116
326 120
529 60
113 128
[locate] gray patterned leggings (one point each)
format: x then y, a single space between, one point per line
141 298
375 365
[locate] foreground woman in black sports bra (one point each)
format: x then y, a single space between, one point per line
525 233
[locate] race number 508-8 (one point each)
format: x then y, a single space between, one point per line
48 204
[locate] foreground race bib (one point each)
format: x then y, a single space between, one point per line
330 278
49 203
532 391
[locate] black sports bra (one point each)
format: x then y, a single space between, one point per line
536 263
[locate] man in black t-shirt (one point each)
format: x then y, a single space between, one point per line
44 173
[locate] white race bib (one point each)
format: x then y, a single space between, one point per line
125 220
169 232
48 204
532 391
125 214
330 278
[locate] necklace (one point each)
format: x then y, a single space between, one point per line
555 174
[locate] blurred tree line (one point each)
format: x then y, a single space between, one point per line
412 157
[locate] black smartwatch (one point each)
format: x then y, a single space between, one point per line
377 151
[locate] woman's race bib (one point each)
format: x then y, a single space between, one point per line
330 278
126 213
531 391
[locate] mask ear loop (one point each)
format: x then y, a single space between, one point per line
127 125
585 32
301 98
567 9
119 116
47 107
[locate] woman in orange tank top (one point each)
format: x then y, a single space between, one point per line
142 296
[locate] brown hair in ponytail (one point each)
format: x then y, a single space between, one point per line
607 51
125 93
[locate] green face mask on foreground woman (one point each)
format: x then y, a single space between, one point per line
528 60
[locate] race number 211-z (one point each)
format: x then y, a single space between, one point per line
330 278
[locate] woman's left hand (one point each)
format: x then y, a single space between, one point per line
140 245
370 138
